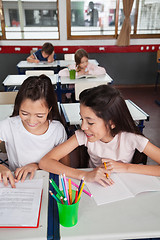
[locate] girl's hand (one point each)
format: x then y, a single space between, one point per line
6 175
22 172
98 175
115 166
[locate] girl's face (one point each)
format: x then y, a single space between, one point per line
84 63
93 126
34 116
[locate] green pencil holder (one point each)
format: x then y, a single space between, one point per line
72 73
68 214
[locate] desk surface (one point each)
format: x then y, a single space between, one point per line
5 110
61 63
104 78
32 233
132 218
72 112
17 80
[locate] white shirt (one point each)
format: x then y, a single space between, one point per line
24 147
120 148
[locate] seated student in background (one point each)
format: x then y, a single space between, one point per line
82 67
33 129
45 54
110 135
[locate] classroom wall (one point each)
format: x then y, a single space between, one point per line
124 68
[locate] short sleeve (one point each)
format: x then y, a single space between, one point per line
81 137
141 142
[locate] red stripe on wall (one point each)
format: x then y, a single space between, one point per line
89 49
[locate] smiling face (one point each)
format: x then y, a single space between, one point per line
93 126
34 116
84 63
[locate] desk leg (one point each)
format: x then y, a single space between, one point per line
141 125
59 92
53 219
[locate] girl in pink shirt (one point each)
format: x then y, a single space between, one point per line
110 135
82 67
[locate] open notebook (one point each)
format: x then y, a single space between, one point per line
86 76
20 206
126 185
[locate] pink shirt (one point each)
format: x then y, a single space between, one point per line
92 68
120 148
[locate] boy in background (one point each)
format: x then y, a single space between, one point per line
45 54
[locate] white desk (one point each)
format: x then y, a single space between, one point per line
132 218
39 233
17 80
24 65
101 78
5 110
72 117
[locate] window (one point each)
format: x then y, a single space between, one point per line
99 19
30 19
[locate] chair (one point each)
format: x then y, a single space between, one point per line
69 56
39 72
158 69
80 86
7 97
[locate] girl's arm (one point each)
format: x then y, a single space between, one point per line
50 163
96 70
154 170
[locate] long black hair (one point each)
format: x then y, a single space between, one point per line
35 88
108 104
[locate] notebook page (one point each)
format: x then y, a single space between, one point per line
138 183
102 195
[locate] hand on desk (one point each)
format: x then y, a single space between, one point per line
98 175
6 175
22 172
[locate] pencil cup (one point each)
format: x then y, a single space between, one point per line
72 73
68 214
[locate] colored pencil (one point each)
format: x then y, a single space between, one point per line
76 196
55 187
70 191
64 190
52 194
65 185
79 188
74 184
107 176
80 192
61 198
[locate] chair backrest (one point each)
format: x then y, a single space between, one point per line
39 72
80 86
158 56
7 97
69 56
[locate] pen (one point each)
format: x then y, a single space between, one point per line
107 176
54 196
35 56
74 184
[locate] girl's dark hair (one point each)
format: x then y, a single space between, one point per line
79 54
108 104
35 88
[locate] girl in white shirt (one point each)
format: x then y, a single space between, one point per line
33 129
110 135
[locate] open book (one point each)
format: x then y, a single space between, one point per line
86 76
20 206
126 185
